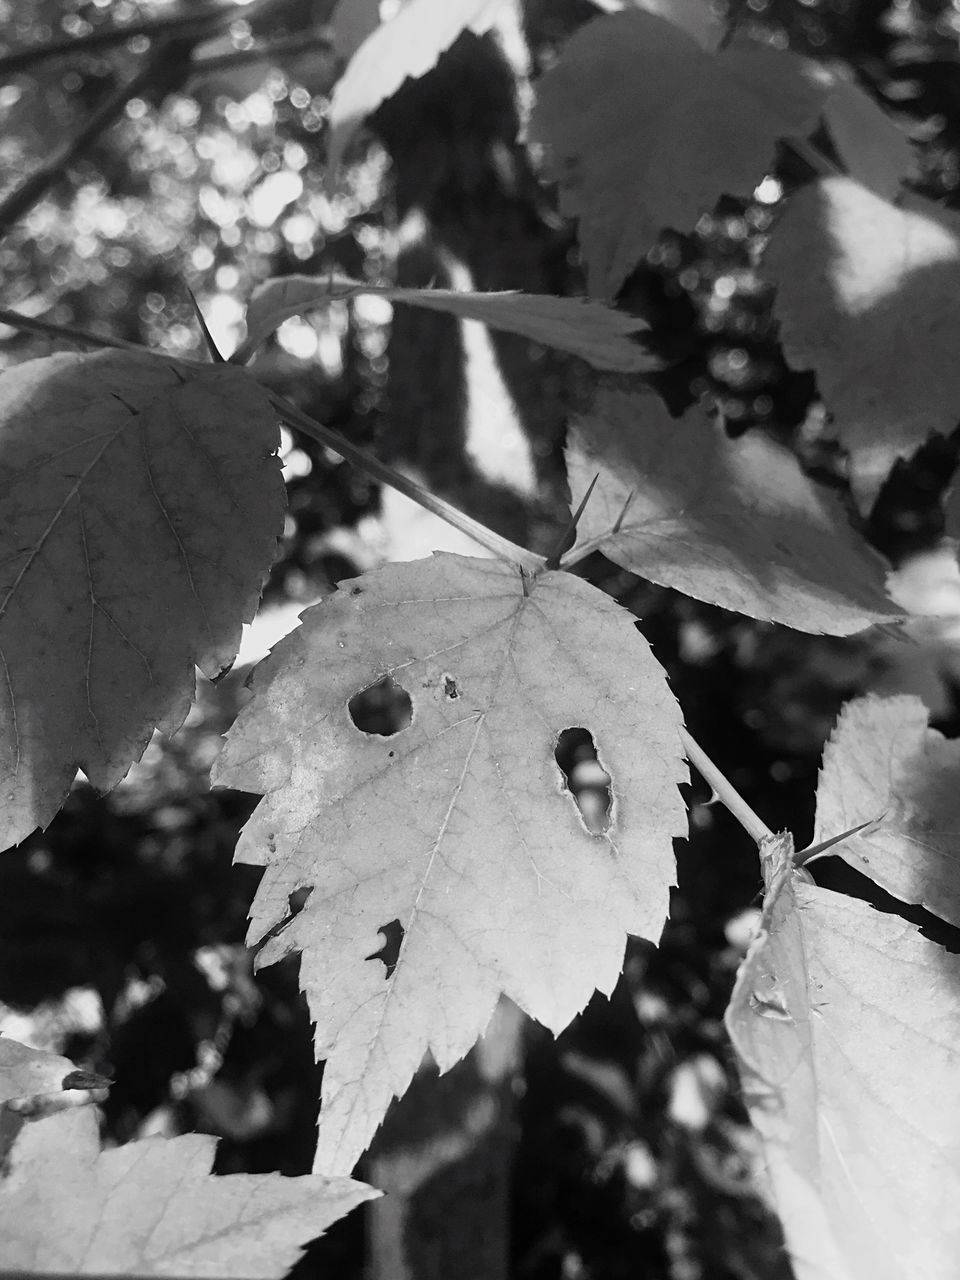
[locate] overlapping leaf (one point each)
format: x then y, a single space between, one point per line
882 762
866 297
645 130
460 826
696 17
845 1022
404 48
152 1208
733 522
596 333
142 502
873 149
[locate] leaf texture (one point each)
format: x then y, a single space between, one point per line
596 333
732 522
142 503
845 1023
884 764
404 48
644 130
866 297
459 827
153 1208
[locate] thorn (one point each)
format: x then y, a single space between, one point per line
553 559
805 855
214 353
622 516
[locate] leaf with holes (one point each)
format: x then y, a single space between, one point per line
883 765
732 522
590 330
645 129
142 506
844 1022
405 47
152 1208
867 298
457 830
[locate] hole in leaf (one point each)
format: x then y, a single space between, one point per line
296 901
389 953
585 778
383 708
451 690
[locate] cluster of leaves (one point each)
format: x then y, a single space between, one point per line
458 827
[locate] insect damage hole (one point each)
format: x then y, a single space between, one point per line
389 953
585 778
382 709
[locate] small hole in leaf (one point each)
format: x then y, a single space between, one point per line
451 690
296 901
585 778
383 709
389 953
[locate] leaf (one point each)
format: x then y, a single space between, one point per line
31 1073
459 827
404 48
866 297
882 761
873 149
596 333
142 505
152 1207
696 17
645 130
732 522
844 1021
351 22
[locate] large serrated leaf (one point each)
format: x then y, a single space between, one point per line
867 298
590 330
883 765
646 130
845 1023
152 1208
732 522
142 503
460 826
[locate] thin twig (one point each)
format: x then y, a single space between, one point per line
724 789
261 52
377 470
33 188
213 15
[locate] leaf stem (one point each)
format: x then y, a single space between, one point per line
373 467
724 789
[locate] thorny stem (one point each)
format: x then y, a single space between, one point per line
724 789
211 15
378 470
49 330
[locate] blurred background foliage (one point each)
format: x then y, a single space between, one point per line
121 927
